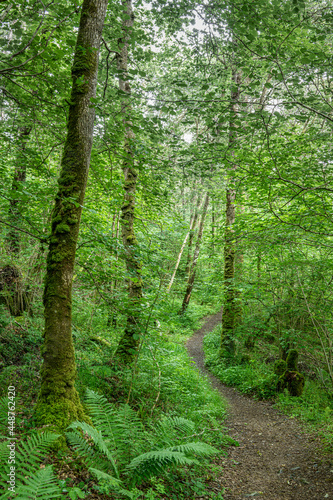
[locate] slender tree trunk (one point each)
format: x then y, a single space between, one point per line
230 310
19 178
180 255
127 347
191 278
191 238
58 402
112 318
213 228
190 232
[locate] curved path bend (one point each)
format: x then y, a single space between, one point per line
276 459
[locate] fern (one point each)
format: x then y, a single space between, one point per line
153 463
100 457
195 448
41 485
123 445
31 482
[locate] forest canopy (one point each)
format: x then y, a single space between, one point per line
160 162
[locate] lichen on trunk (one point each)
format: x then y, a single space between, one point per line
58 402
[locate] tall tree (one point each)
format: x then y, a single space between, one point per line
58 402
130 340
230 309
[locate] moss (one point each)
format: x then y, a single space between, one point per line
280 367
56 218
293 381
292 360
58 412
63 228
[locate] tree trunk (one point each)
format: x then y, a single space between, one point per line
190 241
19 178
191 277
230 310
193 220
58 402
127 347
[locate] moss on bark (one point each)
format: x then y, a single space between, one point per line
128 345
58 402
292 360
232 309
289 377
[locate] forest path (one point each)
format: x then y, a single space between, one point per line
276 459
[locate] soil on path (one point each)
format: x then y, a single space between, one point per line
276 459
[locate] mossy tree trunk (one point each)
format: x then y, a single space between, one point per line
230 309
191 278
128 344
20 173
58 402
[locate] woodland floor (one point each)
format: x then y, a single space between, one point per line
276 459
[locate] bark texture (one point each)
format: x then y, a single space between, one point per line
230 309
193 269
127 347
58 403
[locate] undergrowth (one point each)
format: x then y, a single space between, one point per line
162 385
252 373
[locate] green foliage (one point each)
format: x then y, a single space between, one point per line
30 481
118 444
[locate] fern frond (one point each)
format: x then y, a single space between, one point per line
28 455
121 428
130 434
102 413
101 475
155 462
112 482
98 440
87 451
195 448
171 429
40 486
31 451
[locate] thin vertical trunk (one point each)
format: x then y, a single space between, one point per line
19 178
191 237
230 311
112 319
129 342
191 278
114 223
213 228
58 402
193 220
180 255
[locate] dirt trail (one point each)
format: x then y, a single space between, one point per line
276 459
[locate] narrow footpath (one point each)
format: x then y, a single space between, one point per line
276 459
